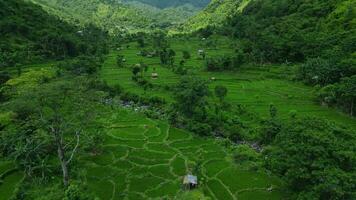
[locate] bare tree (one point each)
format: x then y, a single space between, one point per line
64 112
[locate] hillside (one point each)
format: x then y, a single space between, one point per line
280 31
215 14
172 3
120 16
29 34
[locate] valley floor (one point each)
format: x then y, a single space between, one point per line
147 159
254 87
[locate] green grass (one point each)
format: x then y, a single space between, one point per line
219 191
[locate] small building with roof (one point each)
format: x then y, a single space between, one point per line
190 181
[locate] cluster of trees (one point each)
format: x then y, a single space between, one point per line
320 34
82 65
49 121
341 94
167 56
335 81
287 30
193 111
315 157
224 63
29 34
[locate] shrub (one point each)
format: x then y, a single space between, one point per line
186 55
201 129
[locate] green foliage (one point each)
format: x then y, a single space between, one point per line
76 191
220 92
172 3
246 156
223 63
191 94
120 61
61 105
340 94
29 34
186 55
286 30
167 57
82 65
319 71
215 14
316 158
118 17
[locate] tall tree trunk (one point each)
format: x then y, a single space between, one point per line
61 156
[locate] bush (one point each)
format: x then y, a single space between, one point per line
82 65
244 153
186 55
224 63
319 71
201 129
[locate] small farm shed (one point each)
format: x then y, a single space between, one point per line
190 181
154 75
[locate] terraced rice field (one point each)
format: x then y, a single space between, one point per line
255 88
145 159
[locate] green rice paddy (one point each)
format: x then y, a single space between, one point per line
254 87
145 159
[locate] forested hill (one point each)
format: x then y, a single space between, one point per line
122 16
288 30
172 3
29 34
215 14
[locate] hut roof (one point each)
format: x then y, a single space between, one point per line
190 179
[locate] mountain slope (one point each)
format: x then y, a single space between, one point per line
120 16
280 30
29 34
214 14
172 3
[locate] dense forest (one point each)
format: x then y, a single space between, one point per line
30 35
120 17
320 34
177 99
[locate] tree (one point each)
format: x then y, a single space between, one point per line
57 113
190 94
273 111
347 90
136 69
186 55
171 57
220 92
141 42
120 61
316 158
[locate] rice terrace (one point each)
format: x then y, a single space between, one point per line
177 100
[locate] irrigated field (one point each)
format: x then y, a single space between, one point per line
256 88
145 159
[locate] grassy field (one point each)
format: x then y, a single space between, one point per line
256 88
145 159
